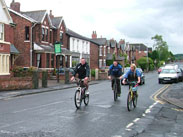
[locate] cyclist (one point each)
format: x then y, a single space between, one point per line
83 71
133 74
115 70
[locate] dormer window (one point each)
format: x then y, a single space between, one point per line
43 34
61 37
1 31
46 33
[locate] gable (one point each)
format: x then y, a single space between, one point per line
5 16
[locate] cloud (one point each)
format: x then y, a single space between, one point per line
135 21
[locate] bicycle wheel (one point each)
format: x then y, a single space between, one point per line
115 92
86 99
129 102
135 100
77 99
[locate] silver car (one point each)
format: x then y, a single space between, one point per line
168 75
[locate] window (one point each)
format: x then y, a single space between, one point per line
50 36
104 50
104 63
108 50
83 47
43 34
1 31
77 46
39 60
48 60
4 64
61 38
52 60
73 45
100 51
100 63
46 34
27 36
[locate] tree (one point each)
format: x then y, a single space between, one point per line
143 63
161 49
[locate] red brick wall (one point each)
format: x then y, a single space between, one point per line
139 55
94 56
15 83
19 40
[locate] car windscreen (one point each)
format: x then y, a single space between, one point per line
168 71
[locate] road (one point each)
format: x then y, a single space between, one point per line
53 114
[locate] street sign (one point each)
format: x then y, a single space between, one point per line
57 48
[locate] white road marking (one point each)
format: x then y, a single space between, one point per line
147 111
129 125
12 124
137 119
37 107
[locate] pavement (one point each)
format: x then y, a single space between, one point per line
174 94
52 86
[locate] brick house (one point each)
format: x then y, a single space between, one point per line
59 35
7 49
102 50
22 36
139 50
79 46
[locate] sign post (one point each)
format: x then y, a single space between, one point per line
57 52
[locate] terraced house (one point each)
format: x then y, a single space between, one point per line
36 32
7 49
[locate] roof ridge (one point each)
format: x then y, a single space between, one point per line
33 11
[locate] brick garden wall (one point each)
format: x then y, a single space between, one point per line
15 83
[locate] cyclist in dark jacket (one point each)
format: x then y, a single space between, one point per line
83 71
115 70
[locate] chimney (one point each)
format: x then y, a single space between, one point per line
51 15
15 6
94 35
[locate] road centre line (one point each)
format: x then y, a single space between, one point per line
54 103
12 124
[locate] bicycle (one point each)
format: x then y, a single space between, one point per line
115 89
132 95
80 94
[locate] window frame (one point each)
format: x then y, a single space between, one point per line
2 33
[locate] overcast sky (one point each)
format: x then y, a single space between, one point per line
136 21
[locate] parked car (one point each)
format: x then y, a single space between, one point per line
159 70
62 70
142 76
180 74
168 75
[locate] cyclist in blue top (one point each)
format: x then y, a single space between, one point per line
132 75
115 70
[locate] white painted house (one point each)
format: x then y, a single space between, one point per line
79 46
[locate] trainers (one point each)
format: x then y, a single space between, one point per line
118 95
87 92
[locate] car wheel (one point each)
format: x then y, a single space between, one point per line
160 82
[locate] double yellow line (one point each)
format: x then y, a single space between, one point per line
157 93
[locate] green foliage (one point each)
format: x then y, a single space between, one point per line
145 63
161 53
93 72
109 62
127 65
74 63
23 72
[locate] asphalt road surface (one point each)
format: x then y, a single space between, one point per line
53 114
